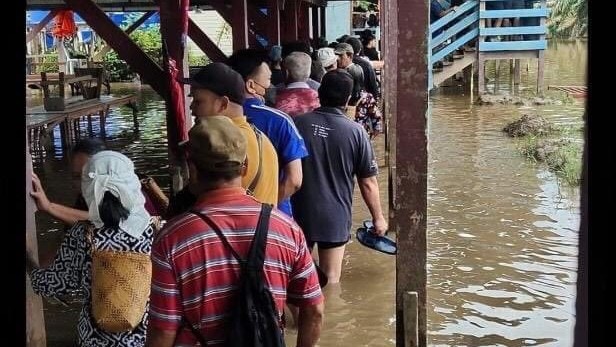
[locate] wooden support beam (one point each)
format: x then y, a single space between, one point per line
174 26
303 21
322 20
138 60
541 62
204 43
314 12
480 58
100 54
35 319
273 23
288 21
256 23
239 24
408 94
221 7
37 28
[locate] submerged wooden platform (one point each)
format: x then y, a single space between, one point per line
40 121
573 91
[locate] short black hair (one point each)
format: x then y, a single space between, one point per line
356 44
294 46
247 61
336 87
89 146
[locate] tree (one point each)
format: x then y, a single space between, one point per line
568 18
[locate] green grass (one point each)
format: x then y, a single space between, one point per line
559 151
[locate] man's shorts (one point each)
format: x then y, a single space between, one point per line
326 245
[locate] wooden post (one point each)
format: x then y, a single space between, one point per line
62 63
35 320
101 118
408 99
516 72
239 25
472 81
314 12
303 21
322 20
541 62
288 19
273 23
410 319
480 58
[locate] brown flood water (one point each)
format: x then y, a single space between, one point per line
502 232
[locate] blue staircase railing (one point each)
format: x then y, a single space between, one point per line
518 38
447 29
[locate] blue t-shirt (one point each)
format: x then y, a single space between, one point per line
280 129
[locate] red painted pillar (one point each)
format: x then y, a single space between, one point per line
273 23
288 21
314 11
303 19
174 28
239 25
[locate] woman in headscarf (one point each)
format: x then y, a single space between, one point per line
117 221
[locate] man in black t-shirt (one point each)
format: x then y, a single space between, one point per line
339 151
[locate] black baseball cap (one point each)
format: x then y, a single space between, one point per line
220 79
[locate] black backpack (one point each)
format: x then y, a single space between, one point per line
253 321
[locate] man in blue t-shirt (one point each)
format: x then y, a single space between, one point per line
277 125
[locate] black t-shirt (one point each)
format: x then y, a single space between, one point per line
370 84
339 150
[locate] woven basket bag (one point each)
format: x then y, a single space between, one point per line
120 287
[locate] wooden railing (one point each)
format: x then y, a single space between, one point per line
516 35
447 28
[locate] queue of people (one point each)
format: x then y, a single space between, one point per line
295 148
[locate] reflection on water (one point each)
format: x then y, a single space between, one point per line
502 233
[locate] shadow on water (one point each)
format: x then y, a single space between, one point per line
502 232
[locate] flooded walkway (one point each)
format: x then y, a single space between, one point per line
502 232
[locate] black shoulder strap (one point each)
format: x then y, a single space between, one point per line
255 180
256 255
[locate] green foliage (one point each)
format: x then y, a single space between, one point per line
568 18
149 39
197 60
560 151
49 64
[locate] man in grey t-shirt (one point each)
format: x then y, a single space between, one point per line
339 150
